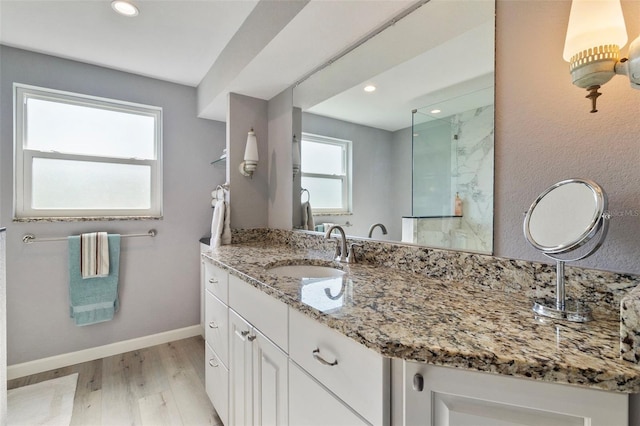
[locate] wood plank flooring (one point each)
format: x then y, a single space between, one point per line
160 385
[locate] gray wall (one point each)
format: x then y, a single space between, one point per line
247 195
159 287
545 133
402 172
372 185
280 160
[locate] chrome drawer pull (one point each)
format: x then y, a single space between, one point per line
244 333
252 337
213 280
316 355
213 325
213 364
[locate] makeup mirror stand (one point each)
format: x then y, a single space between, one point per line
545 227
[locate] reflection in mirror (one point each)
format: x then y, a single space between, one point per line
440 54
452 185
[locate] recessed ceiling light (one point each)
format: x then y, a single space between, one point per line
435 111
369 88
124 8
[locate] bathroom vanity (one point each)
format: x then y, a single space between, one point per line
380 345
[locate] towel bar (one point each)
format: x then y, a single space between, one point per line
30 238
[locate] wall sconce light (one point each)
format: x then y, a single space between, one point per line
296 156
595 35
250 163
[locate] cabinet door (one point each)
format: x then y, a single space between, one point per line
240 371
270 382
311 404
451 397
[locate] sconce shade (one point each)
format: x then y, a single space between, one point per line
594 23
251 149
250 163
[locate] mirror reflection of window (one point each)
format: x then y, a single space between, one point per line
326 172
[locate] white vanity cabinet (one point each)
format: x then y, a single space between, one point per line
444 396
346 370
216 332
258 366
311 404
258 385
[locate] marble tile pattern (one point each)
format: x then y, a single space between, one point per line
473 177
450 308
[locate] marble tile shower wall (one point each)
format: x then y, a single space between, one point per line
472 174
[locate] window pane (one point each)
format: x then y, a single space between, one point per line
326 193
74 185
322 158
85 130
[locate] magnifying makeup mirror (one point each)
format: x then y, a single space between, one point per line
565 217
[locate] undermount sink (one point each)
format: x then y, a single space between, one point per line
306 271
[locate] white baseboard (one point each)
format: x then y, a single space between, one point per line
71 358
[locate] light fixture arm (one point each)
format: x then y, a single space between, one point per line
631 66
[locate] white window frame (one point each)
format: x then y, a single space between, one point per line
23 158
345 178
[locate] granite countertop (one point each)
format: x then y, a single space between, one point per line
408 316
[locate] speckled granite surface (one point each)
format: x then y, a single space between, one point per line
471 316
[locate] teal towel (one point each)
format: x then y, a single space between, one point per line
93 300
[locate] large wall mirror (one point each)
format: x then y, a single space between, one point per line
415 155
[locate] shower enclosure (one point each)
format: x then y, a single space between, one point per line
452 179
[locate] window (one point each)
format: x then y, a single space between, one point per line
80 156
326 173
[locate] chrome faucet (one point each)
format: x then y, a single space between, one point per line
341 250
382 227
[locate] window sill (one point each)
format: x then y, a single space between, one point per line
323 214
83 219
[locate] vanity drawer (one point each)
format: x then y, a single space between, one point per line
217 326
216 280
311 404
217 384
264 312
354 373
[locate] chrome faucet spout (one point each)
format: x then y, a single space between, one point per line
342 257
381 226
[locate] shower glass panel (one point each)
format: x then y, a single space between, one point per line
453 165
433 154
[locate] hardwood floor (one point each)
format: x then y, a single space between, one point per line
160 385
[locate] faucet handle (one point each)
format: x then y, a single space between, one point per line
351 257
338 255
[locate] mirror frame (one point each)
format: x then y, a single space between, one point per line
592 228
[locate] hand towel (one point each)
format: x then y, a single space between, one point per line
93 300
94 255
226 229
217 224
307 217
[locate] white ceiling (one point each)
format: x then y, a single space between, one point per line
251 47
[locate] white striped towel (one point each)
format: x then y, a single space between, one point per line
94 255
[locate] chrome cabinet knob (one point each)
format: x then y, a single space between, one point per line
418 382
213 325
